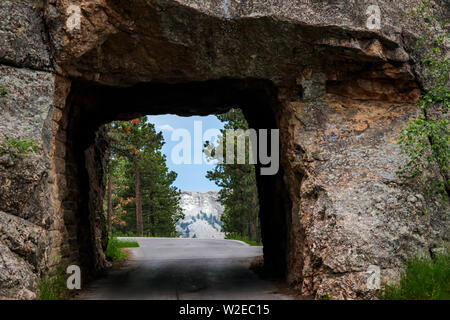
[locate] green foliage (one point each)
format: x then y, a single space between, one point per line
127 244
415 140
15 147
235 236
53 287
135 144
129 234
133 138
160 199
3 91
425 140
113 251
238 193
424 279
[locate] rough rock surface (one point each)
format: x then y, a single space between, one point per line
338 92
23 36
23 254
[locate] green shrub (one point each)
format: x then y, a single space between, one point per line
426 139
424 279
118 233
114 252
3 91
52 287
128 244
16 147
235 236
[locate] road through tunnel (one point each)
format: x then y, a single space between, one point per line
82 167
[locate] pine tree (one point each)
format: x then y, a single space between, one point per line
140 175
160 199
238 193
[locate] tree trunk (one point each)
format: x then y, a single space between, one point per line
249 225
152 223
109 213
254 219
139 222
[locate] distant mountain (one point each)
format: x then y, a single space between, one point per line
202 215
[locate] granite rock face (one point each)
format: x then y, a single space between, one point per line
338 91
202 211
23 36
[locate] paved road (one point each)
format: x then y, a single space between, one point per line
169 269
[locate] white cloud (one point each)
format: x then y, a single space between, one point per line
165 127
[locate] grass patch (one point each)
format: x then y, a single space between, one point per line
52 287
134 235
423 279
243 239
128 244
15 147
113 251
3 91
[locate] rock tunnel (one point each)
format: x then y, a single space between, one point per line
338 92
81 168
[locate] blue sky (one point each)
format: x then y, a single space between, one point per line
191 177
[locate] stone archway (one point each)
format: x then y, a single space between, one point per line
81 168
338 92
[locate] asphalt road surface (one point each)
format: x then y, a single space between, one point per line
185 269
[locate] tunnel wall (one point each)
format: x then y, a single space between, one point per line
89 106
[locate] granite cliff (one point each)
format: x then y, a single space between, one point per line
202 212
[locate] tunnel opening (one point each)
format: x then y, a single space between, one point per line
82 146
